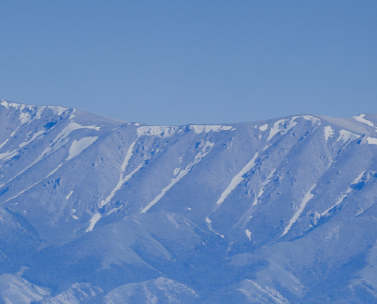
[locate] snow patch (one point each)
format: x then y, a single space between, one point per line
8 155
69 195
14 132
308 196
56 110
4 143
358 179
4 104
172 220
122 178
198 129
360 118
209 225
60 140
248 233
95 218
160 131
23 191
176 171
205 150
25 117
329 132
344 195
269 293
80 145
263 128
15 289
72 126
372 140
338 202
115 210
36 135
347 136
282 126
313 119
261 191
237 179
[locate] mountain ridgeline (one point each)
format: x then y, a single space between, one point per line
96 210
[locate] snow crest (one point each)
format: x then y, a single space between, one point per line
198 129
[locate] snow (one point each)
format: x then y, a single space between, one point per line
263 128
14 132
198 129
36 135
26 111
8 155
308 196
237 179
282 126
69 195
372 140
265 183
329 132
209 225
39 112
122 178
56 110
60 140
172 220
95 218
4 143
344 195
15 289
80 145
25 117
31 113
275 295
23 191
360 118
160 131
4 104
17 106
248 233
338 202
347 136
205 150
313 119
115 209
358 179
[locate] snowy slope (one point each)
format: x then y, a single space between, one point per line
103 211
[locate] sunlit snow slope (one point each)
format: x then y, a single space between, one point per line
95 210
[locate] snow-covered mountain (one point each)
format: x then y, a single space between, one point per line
95 210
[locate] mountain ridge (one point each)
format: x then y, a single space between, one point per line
187 214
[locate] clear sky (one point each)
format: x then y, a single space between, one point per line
195 61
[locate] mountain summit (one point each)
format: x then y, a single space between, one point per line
95 210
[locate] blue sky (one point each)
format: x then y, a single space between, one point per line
197 61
